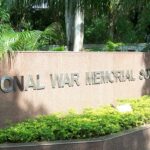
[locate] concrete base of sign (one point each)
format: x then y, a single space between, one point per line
137 139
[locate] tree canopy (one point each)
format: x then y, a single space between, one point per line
116 20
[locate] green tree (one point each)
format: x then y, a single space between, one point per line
74 17
120 20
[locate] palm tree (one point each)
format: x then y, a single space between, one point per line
74 17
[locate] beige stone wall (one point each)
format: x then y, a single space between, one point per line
85 80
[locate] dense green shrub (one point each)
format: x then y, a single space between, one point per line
4 15
19 41
125 30
111 46
27 40
53 34
58 48
91 123
143 25
97 30
11 40
4 27
117 20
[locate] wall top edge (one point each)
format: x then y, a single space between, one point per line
99 52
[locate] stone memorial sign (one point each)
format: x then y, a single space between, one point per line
36 83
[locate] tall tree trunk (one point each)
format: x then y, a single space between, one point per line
74 17
78 27
69 20
111 29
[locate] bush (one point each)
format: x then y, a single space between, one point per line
19 41
111 46
11 40
7 37
53 34
30 40
4 27
4 16
27 40
57 48
97 31
143 26
125 31
90 124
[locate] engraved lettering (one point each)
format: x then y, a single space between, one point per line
7 84
75 79
56 80
19 82
67 80
30 83
39 86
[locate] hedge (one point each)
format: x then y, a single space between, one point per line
91 123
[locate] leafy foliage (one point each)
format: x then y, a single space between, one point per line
58 48
12 41
4 28
125 30
53 34
91 123
27 40
143 26
111 46
97 31
4 16
6 40
116 20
